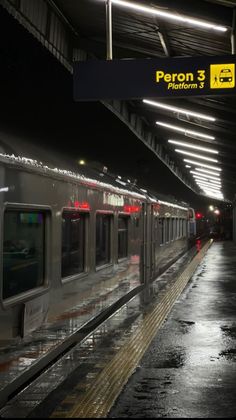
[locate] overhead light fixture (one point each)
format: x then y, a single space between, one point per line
180 110
205 171
203 164
195 155
206 185
199 178
213 194
213 190
215 182
216 197
202 174
218 193
186 132
169 15
192 146
188 166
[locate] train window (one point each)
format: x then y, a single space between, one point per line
73 243
23 251
122 236
103 239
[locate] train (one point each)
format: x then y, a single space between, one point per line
66 228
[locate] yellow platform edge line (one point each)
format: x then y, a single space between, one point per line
100 397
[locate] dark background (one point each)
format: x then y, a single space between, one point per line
37 104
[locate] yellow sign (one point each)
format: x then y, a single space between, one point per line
182 81
222 76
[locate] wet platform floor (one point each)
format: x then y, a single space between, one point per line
115 346
189 369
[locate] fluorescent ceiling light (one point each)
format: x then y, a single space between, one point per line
169 15
180 110
220 196
206 175
186 132
199 178
195 155
214 182
192 146
188 166
206 171
211 191
203 164
206 185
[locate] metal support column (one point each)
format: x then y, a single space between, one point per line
233 32
109 28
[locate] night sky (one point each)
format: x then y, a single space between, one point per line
37 104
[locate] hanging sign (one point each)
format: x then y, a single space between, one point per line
141 78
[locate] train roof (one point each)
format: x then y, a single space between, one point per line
32 157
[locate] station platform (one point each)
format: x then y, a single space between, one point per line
164 352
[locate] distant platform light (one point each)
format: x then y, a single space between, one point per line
176 17
81 162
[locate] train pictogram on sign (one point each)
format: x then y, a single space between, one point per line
222 76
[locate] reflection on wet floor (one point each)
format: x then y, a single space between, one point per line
93 354
189 370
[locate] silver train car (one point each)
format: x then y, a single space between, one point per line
64 231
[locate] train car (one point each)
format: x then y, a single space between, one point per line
64 231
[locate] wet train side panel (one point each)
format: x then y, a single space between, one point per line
59 240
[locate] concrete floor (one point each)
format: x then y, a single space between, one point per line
189 369
184 364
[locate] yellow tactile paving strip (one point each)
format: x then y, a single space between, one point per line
98 399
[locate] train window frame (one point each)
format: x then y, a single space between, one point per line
162 233
185 227
126 216
30 294
86 213
172 231
168 225
178 228
111 261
